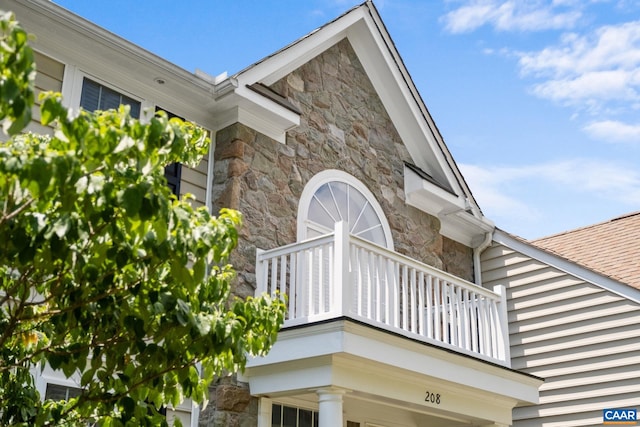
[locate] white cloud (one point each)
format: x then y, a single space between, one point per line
511 15
595 68
608 47
614 131
487 186
592 86
501 191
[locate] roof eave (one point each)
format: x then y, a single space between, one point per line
566 265
76 41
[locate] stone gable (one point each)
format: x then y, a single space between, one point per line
343 126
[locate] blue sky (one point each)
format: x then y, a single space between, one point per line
538 100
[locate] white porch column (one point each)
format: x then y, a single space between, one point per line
264 412
330 407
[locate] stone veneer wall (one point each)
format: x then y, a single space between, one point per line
343 126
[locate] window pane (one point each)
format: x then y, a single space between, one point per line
90 96
135 106
276 415
60 392
289 416
339 201
356 203
368 218
306 418
340 192
172 173
110 99
323 209
95 96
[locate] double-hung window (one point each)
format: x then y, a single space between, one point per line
96 96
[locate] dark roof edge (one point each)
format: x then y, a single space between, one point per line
424 175
269 93
598 224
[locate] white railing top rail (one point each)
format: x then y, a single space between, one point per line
411 262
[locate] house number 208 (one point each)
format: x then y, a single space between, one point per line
432 397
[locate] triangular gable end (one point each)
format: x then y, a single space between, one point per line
435 186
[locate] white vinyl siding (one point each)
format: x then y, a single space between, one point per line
581 338
48 78
194 181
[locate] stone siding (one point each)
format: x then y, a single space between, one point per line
343 126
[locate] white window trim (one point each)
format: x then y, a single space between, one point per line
291 403
72 91
47 376
334 175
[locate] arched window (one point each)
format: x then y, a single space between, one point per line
333 196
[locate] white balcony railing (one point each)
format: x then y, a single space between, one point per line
339 275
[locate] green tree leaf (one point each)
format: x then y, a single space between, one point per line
100 259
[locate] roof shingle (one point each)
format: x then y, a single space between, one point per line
611 248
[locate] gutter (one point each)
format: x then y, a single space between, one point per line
477 273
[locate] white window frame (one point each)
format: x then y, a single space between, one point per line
334 175
291 403
43 377
72 91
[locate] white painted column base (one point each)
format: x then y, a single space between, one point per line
330 407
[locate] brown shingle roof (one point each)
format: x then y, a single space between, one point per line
611 248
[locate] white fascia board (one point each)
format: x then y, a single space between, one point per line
455 222
366 343
464 227
427 196
265 115
458 403
257 112
395 89
567 266
95 51
291 57
289 379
